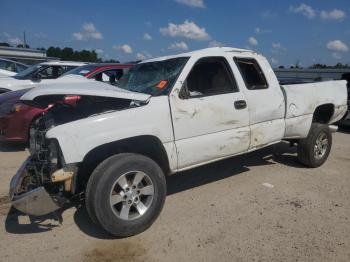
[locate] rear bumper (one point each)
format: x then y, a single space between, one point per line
35 202
333 128
346 119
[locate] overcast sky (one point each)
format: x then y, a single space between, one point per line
315 31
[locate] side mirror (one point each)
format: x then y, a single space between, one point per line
184 93
36 77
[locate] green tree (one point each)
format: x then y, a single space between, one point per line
54 52
69 54
110 61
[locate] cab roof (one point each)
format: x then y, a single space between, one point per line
204 52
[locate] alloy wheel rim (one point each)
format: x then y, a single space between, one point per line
132 195
321 145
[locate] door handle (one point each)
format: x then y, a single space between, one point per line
240 104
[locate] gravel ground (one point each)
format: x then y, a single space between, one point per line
263 206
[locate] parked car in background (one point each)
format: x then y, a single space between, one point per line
16 117
168 114
110 73
36 75
10 68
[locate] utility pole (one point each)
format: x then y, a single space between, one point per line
24 40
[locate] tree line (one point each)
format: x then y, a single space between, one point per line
323 66
319 66
68 54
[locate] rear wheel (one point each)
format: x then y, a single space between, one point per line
313 151
125 194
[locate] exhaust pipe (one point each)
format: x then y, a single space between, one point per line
333 128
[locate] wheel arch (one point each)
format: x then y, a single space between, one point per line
146 145
323 113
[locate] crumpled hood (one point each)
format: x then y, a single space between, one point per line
84 87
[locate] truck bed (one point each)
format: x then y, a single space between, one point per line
303 99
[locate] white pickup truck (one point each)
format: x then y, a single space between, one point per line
115 145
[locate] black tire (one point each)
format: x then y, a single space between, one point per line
100 184
306 147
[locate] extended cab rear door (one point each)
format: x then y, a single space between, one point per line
265 99
210 114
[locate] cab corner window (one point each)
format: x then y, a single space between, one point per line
210 76
252 74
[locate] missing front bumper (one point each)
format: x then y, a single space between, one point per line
35 202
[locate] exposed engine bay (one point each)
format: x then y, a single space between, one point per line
70 108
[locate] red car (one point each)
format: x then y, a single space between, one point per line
16 118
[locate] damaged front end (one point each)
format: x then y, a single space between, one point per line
44 182
29 196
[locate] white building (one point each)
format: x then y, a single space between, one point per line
313 74
25 55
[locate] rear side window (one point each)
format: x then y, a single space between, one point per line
252 74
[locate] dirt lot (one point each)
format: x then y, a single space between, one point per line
260 207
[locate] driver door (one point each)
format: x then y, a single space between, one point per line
210 115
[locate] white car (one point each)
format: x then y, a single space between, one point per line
37 75
169 114
10 68
6 73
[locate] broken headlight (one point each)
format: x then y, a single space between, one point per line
53 154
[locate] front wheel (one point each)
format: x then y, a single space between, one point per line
125 194
313 151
